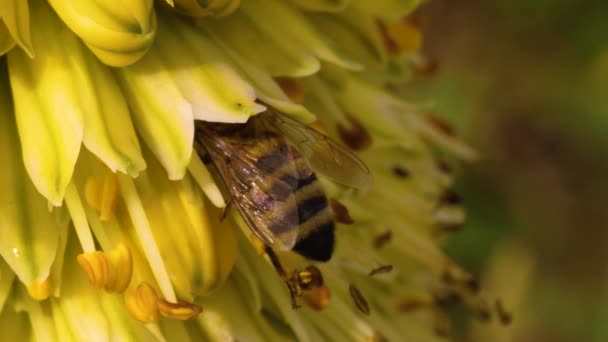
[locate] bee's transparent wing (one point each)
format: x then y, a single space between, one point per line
266 203
324 154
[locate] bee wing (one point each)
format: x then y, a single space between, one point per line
324 154
266 203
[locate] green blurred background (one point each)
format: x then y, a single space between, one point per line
526 84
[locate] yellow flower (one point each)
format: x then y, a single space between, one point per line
110 225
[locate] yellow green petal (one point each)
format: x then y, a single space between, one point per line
29 234
16 17
322 5
295 30
391 10
273 53
117 35
204 8
6 40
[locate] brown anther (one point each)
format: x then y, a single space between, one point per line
440 124
445 298
355 136
411 305
400 171
381 270
382 239
450 197
444 167
389 44
504 317
473 285
292 88
358 299
317 298
181 310
340 212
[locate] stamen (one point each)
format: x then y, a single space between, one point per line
340 212
413 304
112 272
400 36
381 270
96 267
205 181
79 219
121 270
181 310
144 232
355 136
440 124
142 303
292 88
504 317
91 192
358 299
401 171
382 239
39 290
108 196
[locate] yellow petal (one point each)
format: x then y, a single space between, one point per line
29 234
16 16
117 35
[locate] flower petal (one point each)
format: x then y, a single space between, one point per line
29 234
16 17
117 35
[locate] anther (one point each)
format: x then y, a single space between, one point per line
340 212
358 299
121 269
382 239
96 267
400 36
440 124
504 317
142 303
39 290
412 304
109 196
381 270
292 88
355 136
401 171
102 197
181 310
111 271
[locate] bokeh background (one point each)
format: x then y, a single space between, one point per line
526 84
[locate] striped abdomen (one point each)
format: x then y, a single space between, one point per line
284 176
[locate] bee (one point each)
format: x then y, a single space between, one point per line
269 165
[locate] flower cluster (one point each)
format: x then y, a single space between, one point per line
110 225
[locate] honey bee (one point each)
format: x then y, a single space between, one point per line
268 166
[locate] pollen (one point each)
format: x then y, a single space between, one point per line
112 271
39 290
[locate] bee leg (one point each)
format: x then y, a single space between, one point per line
294 289
224 211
